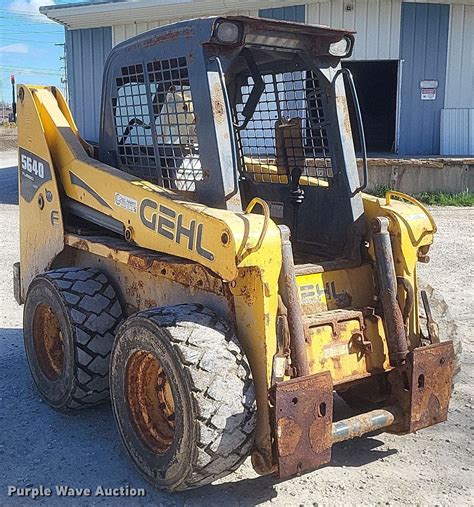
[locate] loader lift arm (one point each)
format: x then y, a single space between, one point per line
183 229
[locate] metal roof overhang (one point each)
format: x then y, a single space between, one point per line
105 13
97 14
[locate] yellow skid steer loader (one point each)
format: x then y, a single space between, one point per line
213 263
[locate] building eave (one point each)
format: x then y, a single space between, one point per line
93 15
109 13
98 14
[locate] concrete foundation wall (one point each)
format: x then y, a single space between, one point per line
415 176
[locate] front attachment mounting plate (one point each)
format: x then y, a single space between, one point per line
422 387
302 418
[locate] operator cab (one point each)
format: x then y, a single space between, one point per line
241 108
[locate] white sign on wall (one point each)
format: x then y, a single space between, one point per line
428 89
428 94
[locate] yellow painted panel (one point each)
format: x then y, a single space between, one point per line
154 217
339 354
41 220
341 288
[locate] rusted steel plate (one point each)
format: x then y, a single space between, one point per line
432 379
180 270
303 423
422 387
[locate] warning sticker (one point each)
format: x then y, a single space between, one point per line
428 94
336 350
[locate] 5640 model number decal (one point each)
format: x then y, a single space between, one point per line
34 171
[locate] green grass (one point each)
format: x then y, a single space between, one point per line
465 198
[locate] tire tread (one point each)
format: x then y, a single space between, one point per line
78 287
216 369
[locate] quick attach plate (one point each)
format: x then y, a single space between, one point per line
423 387
302 419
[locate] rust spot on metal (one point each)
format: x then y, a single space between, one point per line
359 425
387 288
290 296
289 434
360 344
335 319
149 303
217 103
183 271
81 244
164 37
140 262
245 287
134 291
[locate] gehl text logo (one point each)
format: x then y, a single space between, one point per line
315 291
169 224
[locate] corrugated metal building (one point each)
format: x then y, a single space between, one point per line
413 62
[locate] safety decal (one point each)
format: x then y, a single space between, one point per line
126 202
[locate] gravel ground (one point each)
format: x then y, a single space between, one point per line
41 447
8 138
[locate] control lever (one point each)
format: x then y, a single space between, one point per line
431 325
296 199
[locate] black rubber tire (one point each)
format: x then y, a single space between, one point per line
448 329
212 388
88 313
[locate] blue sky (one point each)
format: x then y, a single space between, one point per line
27 47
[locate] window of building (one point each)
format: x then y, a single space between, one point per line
294 13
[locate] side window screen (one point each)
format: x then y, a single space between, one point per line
132 124
174 123
155 124
132 116
288 128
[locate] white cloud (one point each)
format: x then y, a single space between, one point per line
30 7
15 48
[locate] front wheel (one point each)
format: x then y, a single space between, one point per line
182 396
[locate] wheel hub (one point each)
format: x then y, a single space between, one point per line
150 401
48 341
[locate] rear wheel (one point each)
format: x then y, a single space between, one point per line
69 321
182 396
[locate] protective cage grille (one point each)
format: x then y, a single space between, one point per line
288 129
155 124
